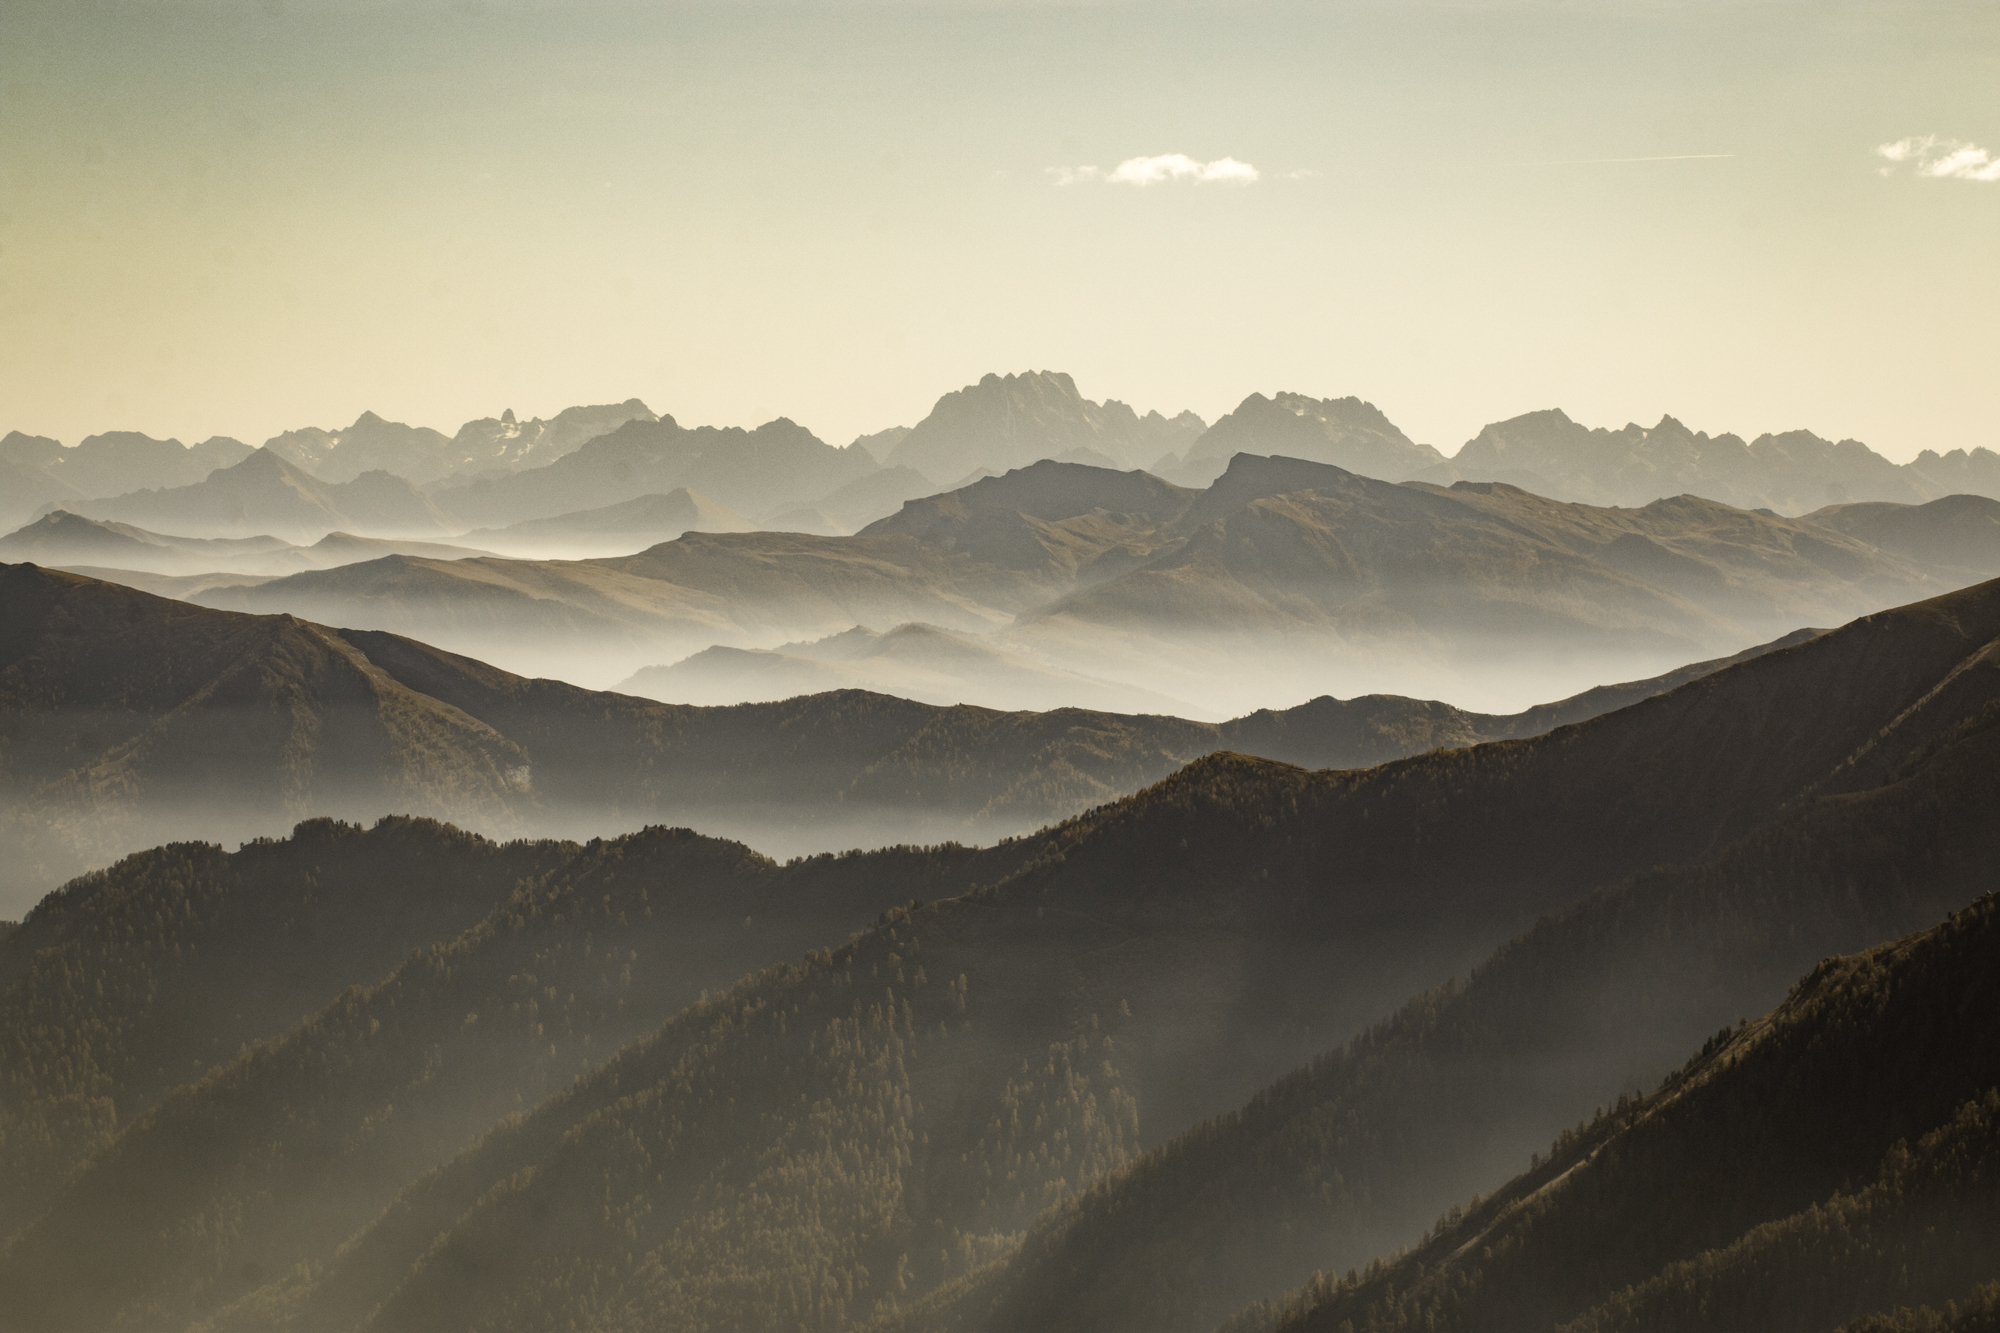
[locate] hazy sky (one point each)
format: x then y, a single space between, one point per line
238 218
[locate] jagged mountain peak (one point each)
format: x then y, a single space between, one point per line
1010 420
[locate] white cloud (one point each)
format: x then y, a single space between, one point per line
1163 170
1942 159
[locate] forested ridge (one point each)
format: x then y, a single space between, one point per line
303 1136
539 1120
1345 1158
127 719
142 977
1836 1158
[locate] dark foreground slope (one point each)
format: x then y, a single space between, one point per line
280 1154
1839 1157
834 1139
923 1152
1351 1156
137 979
128 720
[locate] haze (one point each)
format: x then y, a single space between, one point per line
238 218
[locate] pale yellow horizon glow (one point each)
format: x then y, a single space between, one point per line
238 219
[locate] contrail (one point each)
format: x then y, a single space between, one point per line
1593 161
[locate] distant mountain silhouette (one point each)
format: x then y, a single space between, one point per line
843 1137
38 471
1344 432
1010 421
1010 521
125 460
498 445
61 538
617 529
1793 472
264 494
64 539
133 718
880 444
998 424
25 490
779 463
503 444
855 504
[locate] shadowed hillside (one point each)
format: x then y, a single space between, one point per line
309 1134
834 1139
134 980
1839 1157
1347 1158
129 719
132 719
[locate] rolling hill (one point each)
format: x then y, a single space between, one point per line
205 952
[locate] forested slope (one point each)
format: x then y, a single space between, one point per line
831 1140
1346 1158
1840 1156
142 977
277 1155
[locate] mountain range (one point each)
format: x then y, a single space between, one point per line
489 446
1281 580
64 539
1129 1073
39 471
265 495
134 719
783 477
778 465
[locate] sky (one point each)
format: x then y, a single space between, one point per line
241 218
